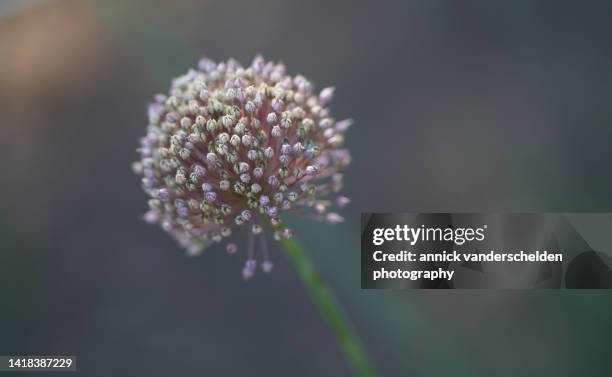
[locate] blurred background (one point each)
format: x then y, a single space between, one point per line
458 106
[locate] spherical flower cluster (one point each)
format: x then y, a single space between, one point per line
235 147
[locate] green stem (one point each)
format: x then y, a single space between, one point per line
329 308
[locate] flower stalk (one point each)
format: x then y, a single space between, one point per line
327 304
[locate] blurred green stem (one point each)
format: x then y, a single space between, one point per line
329 308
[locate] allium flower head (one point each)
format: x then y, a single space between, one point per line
235 147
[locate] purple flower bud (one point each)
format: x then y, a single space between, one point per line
151 217
267 266
271 118
326 95
211 196
264 200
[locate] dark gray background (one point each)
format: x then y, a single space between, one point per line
458 106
